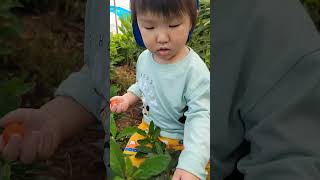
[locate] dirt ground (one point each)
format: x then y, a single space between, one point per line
80 158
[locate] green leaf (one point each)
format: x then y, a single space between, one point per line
15 87
140 155
174 158
151 128
8 103
117 162
113 127
129 167
127 132
152 166
5 170
156 133
118 178
141 132
158 147
13 28
114 90
144 141
5 177
144 149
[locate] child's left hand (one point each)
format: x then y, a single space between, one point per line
181 174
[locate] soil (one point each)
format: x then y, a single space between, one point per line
132 117
81 157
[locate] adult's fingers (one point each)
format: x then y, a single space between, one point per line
29 148
120 108
12 150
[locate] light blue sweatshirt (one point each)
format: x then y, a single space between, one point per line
166 90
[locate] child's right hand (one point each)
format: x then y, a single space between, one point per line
40 139
119 104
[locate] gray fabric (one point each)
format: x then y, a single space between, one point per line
266 89
89 87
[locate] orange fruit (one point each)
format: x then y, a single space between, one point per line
114 102
13 128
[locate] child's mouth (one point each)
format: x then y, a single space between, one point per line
163 52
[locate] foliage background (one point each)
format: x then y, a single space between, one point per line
41 43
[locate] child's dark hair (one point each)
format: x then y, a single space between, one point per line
165 8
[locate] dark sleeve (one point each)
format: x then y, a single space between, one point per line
266 91
283 126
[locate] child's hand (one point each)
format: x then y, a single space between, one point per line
181 174
38 139
119 104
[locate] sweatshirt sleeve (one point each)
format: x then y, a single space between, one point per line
134 88
196 153
80 87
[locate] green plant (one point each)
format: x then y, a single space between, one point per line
313 7
123 135
122 168
121 165
17 170
10 25
200 41
11 91
150 144
150 148
123 48
44 61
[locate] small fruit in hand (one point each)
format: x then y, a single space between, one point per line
114 102
13 128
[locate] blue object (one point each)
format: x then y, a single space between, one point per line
137 33
121 12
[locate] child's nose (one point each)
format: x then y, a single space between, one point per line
162 37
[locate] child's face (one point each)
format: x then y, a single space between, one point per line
165 38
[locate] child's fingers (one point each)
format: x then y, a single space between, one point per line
13 116
12 150
29 149
42 141
119 108
1 143
115 98
113 108
46 146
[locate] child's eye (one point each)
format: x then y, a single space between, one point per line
149 28
175 25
